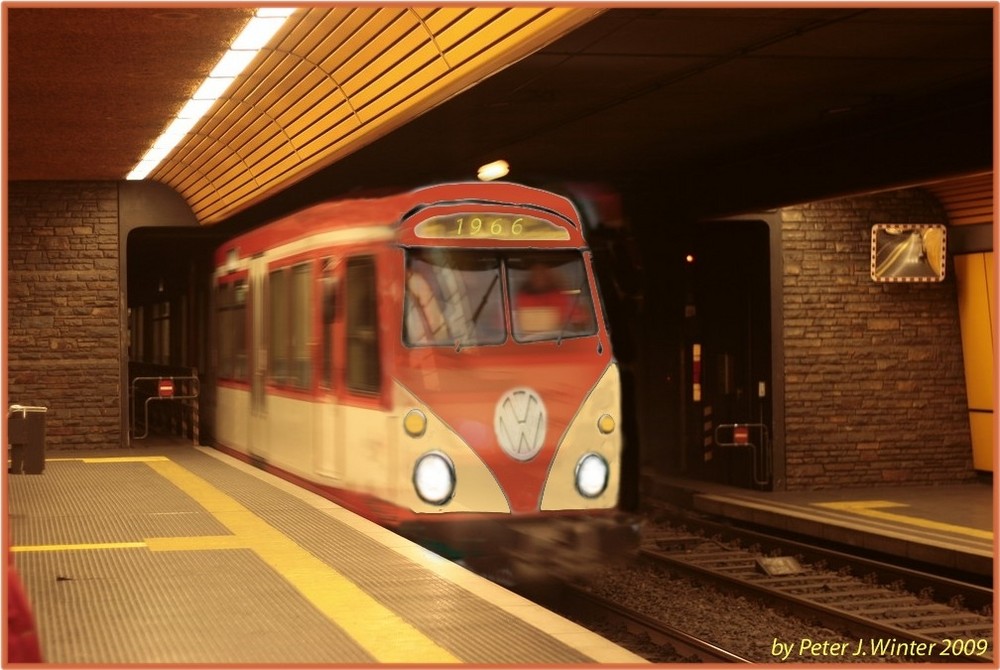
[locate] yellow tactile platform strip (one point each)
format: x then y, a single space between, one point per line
188 560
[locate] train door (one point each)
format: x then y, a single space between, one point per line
329 443
728 345
367 456
257 434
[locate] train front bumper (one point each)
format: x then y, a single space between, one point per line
568 547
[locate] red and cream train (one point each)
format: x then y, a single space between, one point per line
436 361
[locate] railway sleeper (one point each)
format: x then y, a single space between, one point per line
937 618
873 595
966 629
866 607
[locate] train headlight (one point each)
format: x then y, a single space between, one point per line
434 478
606 424
591 475
414 423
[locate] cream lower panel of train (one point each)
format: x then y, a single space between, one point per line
358 449
476 489
583 437
232 417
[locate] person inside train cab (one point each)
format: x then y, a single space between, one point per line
544 303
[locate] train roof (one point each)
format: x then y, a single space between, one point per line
390 210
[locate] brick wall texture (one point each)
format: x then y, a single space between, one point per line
874 381
63 319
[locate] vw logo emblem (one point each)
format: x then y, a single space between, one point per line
519 423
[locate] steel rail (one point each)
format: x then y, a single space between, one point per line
658 631
973 596
830 615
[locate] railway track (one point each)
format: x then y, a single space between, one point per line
889 610
674 644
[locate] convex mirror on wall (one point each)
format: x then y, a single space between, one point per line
908 252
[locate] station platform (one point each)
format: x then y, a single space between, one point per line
182 555
942 526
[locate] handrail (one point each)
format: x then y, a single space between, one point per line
760 453
192 394
24 409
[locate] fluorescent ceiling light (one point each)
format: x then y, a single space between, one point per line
275 12
157 154
232 63
145 166
212 88
196 108
254 37
180 127
258 32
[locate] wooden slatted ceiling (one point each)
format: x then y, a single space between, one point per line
337 79
968 200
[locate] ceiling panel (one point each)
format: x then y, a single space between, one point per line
378 96
359 74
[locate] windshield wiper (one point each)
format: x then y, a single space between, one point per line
482 303
479 309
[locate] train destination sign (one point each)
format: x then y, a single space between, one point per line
489 227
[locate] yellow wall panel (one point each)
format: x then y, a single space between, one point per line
991 296
981 425
975 277
977 331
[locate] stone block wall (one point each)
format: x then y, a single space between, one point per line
63 318
874 383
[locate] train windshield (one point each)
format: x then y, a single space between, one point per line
550 296
456 297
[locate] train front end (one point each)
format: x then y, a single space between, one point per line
506 389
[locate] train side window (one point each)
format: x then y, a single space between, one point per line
301 371
329 311
277 314
225 341
232 309
239 327
289 314
363 365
